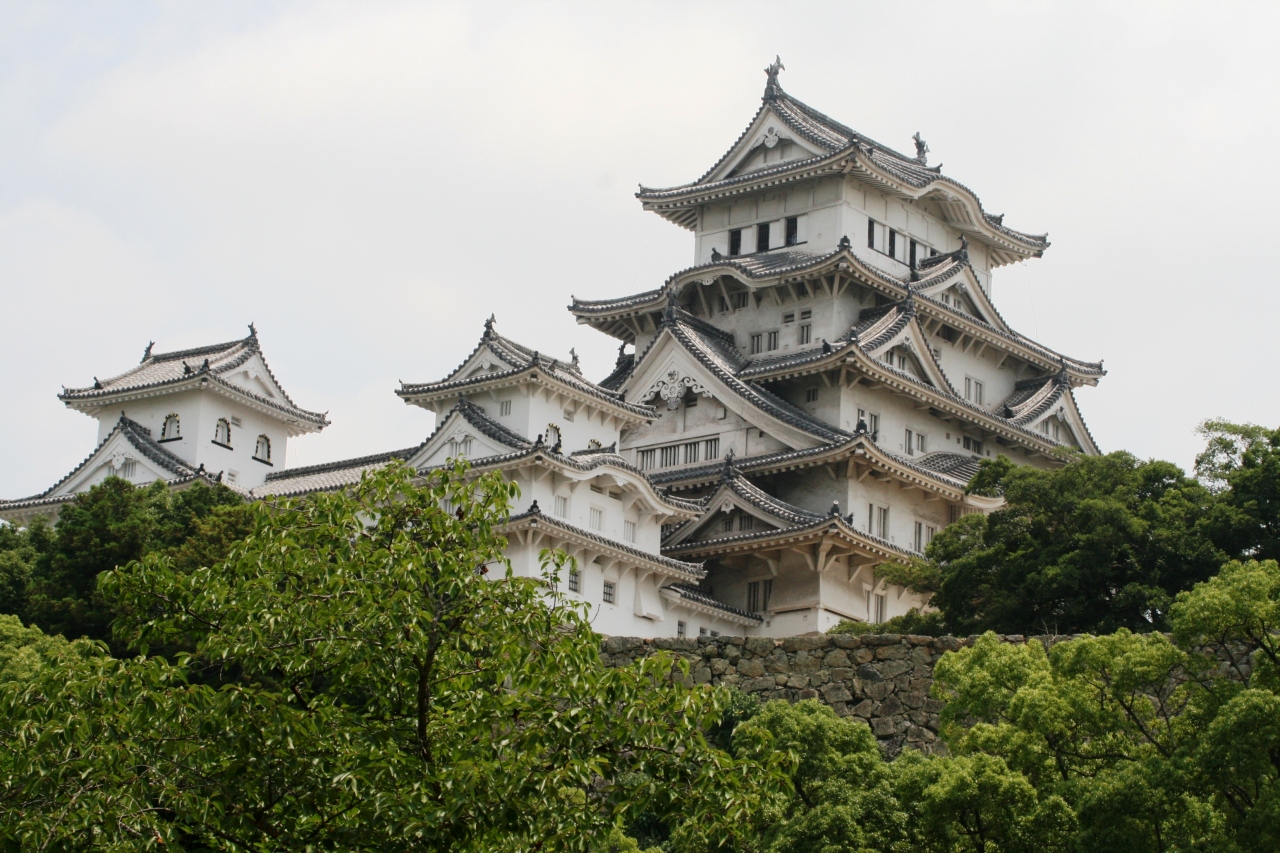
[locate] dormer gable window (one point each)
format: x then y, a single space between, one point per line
222 433
172 429
262 450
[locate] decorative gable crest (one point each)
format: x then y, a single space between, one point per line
673 387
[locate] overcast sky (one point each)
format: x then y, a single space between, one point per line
368 181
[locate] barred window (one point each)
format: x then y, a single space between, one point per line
711 448
647 458
670 456
629 531
609 592
575 581
691 452
562 506
597 519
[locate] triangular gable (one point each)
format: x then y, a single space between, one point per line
121 453
466 432
767 141
679 362
254 376
1072 431
737 501
909 342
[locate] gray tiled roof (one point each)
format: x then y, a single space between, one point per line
693 570
1033 397
834 140
697 596
725 363
522 360
214 362
139 437
336 475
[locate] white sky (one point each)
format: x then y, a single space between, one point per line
368 181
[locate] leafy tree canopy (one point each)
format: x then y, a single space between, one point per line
1102 543
384 681
48 577
1242 461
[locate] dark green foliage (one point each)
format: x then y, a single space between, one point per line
50 578
1099 544
388 684
1243 461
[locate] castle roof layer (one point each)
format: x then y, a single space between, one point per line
833 148
189 368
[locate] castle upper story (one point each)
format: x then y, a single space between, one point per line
797 180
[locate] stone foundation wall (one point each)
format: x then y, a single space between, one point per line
882 678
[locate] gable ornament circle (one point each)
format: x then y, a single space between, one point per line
673 387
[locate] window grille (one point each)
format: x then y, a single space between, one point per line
629 531
647 459
806 334
757 344
681 628
610 590
669 456
562 506
504 408
691 452
575 581
597 519
746 522
773 341
711 449
811 395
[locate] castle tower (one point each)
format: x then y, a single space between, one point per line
832 369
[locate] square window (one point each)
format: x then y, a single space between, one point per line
811 395
647 459
610 591
740 299
669 456
702 632
691 452
746 522
711 448
504 408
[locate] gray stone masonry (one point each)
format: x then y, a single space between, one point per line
884 679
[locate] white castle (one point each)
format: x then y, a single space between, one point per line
805 403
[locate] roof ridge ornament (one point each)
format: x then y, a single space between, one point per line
253 333
771 89
488 326
97 386
922 149
146 354
844 243
716 257
727 472
834 512
573 355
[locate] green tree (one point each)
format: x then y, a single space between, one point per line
1242 461
19 548
111 525
1102 543
387 682
1156 744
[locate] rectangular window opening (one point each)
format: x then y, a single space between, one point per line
575 581
597 519
629 531
762 237
610 590
735 242
562 506
793 230
773 341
